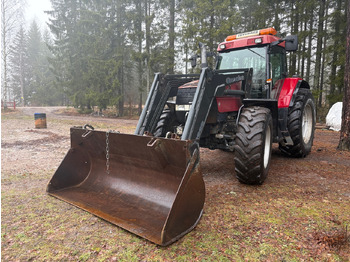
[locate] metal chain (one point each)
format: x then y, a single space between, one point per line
107 149
107 152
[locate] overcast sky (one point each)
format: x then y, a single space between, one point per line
35 10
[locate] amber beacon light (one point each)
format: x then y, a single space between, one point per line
265 31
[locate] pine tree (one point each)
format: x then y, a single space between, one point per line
337 49
31 78
18 63
88 51
208 22
47 94
68 55
35 76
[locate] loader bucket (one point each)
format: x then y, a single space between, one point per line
152 187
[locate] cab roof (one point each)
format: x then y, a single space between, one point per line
253 38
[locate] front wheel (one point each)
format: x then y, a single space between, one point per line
166 123
253 145
301 125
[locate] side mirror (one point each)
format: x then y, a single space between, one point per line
211 54
291 43
193 60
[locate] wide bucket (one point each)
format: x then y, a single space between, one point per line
40 120
152 187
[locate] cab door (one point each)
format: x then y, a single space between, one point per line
278 70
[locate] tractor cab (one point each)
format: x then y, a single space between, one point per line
262 51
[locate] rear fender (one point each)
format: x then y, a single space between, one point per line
289 90
286 100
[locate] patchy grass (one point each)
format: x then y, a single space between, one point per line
301 213
38 227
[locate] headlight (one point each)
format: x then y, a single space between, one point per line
183 107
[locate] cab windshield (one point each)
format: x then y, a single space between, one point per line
254 57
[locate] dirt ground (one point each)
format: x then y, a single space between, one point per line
300 213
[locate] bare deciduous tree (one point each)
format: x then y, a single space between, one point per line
11 18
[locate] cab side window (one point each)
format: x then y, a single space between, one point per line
278 63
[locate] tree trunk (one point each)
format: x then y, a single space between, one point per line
22 78
295 31
4 53
303 58
344 142
140 104
171 37
148 22
319 50
212 21
276 22
120 51
323 61
139 62
335 48
308 67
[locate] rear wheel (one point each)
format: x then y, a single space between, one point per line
301 125
253 145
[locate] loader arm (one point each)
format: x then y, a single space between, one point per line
213 83
154 104
162 88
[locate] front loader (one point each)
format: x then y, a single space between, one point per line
150 183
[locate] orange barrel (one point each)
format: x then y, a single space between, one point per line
40 120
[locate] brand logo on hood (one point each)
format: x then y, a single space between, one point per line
231 80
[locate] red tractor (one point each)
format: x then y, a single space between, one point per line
243 105
150 183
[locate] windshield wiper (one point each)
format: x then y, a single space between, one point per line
256 53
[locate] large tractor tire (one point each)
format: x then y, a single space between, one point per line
165 124
301 125
253 144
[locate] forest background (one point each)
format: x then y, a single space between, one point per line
104 53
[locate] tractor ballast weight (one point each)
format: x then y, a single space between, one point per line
150 183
